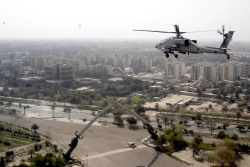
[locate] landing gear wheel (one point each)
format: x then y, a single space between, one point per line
167 55
176 56
228 56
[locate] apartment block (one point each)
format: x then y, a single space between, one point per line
38 63
207 69
244 70
59 71
229 71
173 67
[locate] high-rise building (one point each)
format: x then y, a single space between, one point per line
60 72
141 64
244 70
229 71
207 69
38 63
173 68
179 69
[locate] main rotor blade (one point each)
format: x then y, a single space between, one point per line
198 31
155 31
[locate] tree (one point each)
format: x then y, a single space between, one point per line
34 127
31 152
157 106
24 108
221 135
131 120
139 109
117 118
53 107
165 120
198 122
48 160
1 104
173 136
222 156
199 92
225 125
171 119
198 116
197 140
104 103
210 106
224 109
225 154
238 115
9 104
212 127
2 162
185 121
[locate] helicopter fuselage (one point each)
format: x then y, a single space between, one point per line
184 45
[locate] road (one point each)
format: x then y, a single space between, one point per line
44 111
105 144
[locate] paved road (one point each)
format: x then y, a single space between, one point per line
100 140
43 111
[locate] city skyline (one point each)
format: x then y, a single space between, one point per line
116 19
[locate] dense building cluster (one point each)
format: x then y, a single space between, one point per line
63 62
215 72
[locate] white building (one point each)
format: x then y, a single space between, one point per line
229 71
207 69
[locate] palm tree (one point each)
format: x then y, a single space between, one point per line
165 119
238 115
24 108
9 104
68 110
212 128
53 107
157 106
31 152
1 103
224 110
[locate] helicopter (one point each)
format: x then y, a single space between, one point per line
186 46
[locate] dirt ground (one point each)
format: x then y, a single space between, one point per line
245 162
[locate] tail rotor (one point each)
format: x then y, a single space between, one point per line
222 32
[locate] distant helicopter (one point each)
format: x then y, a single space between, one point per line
185 45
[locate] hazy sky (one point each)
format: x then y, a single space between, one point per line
117 18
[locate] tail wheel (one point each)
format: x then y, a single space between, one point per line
176 56
228 56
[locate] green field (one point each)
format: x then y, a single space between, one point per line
12 136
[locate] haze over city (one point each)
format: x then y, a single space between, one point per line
74 69
113 19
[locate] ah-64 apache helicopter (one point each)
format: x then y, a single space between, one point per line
185 45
